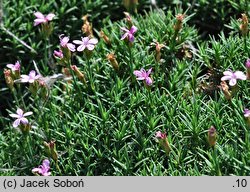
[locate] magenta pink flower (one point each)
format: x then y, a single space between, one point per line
43 169
20 117
160 135
86 42
40 18
233 76
143 75
129 33
246 112
15 67
64 42
30 78
58 54
248 63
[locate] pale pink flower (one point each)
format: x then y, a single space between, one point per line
160 135
58 54
40 18
246 112
64 42
129 33
15 67
143 75
233 76
43 169
86 42
20 117
30 78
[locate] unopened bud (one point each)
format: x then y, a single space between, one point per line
50 149
79 74
244 24
128 19
248 68
105 38
112 59
87 26
8 79
163 141
225 90
179 22
212 136
25 128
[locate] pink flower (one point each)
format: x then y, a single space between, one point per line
160 135
15 67
143 75
30 78
248 63
64 42
40 18
58 54
129 33
43 169
246 112
233 76
20 117
86 42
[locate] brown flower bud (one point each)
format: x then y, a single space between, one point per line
179 22
212 136
225 90
79 74
8 79
105 37
50 149
244 24
113 61
87 26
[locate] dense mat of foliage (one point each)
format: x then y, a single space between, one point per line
102 119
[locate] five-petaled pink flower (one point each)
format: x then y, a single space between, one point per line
246 112
15 67
129 33
160 135
143 75
40 18
64 42
86 42
43 169
20 117
233 76
58 54
30 78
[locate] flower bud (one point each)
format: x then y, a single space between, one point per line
113 61
8 79
87 27
244 24
79 74
248 68
163 141
25 128
158 48
128 19
247 116
179 22
50 149
225 90
212 136
105 38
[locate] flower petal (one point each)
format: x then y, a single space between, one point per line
25 78
10 66
71 47
124 36
16 123
50 16
14 115
24 121
240 75
131 37
124 29
228 73
93 41
90 47
137 73
149 81
133 29
27 114
225 78
39 15
19 112
232 82
149 71
78 42
81 48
